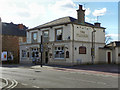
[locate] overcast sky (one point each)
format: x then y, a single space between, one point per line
35 12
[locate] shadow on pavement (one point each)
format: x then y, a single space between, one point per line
111 68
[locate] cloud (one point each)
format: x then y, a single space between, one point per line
99 12
63 8
19 12
88 19
87 11
33 13
112 35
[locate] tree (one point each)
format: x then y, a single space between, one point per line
108 38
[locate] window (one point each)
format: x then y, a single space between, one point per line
67 54
45 36
59 52
20 39
82 50
10 55
24 54
34 37
58 34
35 52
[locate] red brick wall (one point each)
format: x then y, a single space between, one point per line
11 43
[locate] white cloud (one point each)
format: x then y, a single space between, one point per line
99 12
88 19
33 13
112 35
115 37
63 8
87 11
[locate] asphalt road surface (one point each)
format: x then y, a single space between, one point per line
55 78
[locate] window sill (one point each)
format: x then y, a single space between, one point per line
59 59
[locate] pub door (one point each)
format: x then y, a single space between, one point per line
46 57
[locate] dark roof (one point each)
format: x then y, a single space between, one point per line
114 44
12 29
61 21
117 43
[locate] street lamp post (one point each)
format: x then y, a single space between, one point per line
41 49
93 45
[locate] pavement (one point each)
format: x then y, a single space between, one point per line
99 68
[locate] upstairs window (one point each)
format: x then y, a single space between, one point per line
45 36
82 50
34 37
59 33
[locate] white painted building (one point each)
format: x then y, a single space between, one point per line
110 53
66 41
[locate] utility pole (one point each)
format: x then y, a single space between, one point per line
41 49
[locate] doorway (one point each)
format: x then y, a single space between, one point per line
109 57
46 57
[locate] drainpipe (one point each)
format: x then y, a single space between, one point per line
93 45
73 45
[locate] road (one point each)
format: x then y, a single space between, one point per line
55 78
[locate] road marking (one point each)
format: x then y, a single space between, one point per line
24 84
36 87
16 83
6 81
11 84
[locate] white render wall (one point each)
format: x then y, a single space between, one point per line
84 33
82 37
67 31
117 51
28 49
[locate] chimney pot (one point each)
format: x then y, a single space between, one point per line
80 7
97 24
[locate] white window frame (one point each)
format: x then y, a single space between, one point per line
25 53
55 50
57 35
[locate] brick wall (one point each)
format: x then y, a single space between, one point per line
11 43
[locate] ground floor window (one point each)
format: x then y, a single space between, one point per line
67 54
35 52
59 52
24 54
82 50
10 55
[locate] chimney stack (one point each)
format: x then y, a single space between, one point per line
21 26
97 24
81 15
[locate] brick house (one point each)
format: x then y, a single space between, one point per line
12 35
